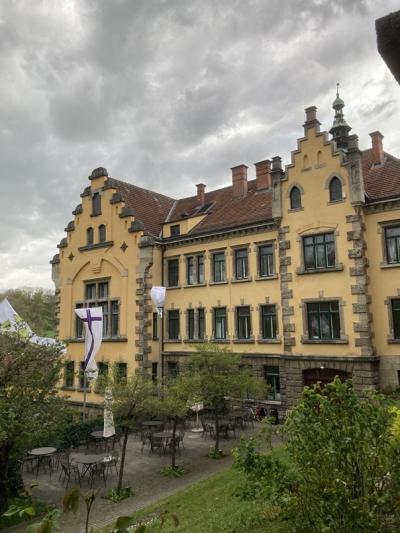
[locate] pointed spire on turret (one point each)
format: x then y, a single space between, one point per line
340 129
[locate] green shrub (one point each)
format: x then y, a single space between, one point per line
348 467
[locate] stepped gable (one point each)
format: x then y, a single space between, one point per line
150 208
381 181
223 210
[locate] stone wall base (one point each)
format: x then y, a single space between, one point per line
389 371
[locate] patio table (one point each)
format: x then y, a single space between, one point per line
42 454
88 462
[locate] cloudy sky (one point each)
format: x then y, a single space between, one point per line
165 93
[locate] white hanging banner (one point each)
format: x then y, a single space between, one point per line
92 318
158 296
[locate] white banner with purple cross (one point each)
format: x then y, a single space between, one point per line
92 318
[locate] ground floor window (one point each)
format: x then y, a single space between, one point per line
173 369
121 372
396 318
69 374
272 377
323 320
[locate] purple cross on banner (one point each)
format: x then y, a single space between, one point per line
89 319
92 319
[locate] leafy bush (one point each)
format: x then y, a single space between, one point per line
348 467
75 432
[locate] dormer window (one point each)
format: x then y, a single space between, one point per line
175 230
335 190
102 233
89 236
295 198
96 204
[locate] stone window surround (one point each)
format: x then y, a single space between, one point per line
117 338
236 339
232 253
256 248
210 255
166 259
277 339
344 339
195 255
326 187
83 301
312 232
212 338
196 325
288 193
382 225
166 327
388 302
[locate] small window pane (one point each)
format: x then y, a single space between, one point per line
173 272
173 325
265 261
175 230
190 270
200 269
155 323
96 204
243 322
114 318
89 236
219 266
103 289
396 318
295 198
272 377
201 323
190 324
220 322
90 291
69 374
335 190
102 233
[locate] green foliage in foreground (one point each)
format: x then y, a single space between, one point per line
343 468
212 506
36 307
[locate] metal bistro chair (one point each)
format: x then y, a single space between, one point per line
97 470
157 443
68 470
145 438
111 462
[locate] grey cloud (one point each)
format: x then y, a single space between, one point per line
165 94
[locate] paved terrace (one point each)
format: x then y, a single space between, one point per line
142 474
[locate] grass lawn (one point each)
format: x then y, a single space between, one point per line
212 506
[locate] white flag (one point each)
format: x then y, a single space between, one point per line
158 297
92 318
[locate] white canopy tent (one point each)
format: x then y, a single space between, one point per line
10 317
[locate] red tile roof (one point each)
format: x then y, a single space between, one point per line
149 207
381 181
226 211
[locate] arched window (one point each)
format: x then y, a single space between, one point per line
102 233
335 190
320 158
89 236
295 198
306 162
96 204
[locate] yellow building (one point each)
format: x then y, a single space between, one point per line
296 270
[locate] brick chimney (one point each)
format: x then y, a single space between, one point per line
200 193
239 180
377 148
263 174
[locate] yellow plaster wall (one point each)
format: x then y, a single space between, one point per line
312 166
230 294
103 263
384 281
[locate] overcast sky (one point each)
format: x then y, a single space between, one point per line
165 94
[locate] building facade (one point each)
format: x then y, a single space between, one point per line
295 270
